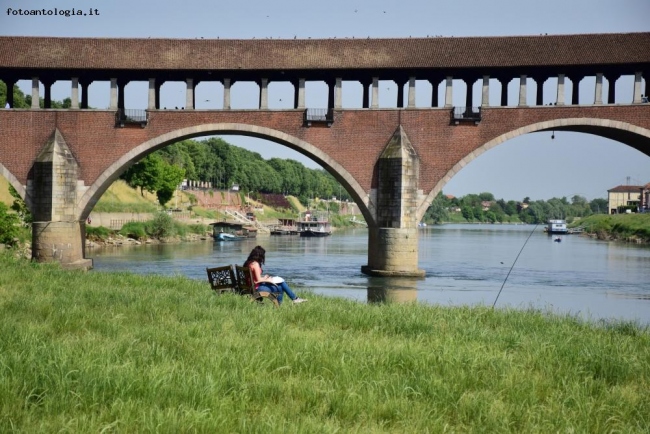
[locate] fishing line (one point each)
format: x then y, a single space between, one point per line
513 265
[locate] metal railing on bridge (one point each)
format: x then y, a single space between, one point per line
124 117
318 116
465 114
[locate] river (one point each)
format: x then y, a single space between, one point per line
464 264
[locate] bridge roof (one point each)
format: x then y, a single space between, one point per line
581 50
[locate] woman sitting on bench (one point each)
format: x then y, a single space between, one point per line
272 284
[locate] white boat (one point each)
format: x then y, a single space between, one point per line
556 226
313 225
223 231
223 236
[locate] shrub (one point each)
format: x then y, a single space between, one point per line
8 225
98 233
162 226
137 230
198 228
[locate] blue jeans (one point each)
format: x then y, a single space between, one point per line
278 290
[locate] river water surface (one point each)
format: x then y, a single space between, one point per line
464 264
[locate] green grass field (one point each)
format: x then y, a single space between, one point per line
96 352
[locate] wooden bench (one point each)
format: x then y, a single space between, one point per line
239 280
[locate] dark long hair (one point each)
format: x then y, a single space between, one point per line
257 255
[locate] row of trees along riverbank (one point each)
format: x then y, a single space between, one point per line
484 208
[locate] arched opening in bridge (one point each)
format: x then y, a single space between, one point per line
229 172
552 164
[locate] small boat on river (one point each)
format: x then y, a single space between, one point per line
224 231
314 225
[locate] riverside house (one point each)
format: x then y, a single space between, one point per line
623 196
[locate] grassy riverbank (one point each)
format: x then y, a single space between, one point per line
619 227
90 352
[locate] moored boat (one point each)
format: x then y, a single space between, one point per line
556 226
314 225
285 227
224 231
223 236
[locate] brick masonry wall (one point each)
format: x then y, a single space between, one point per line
355 140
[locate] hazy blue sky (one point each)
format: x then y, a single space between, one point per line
532 165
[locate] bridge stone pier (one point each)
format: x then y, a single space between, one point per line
392 160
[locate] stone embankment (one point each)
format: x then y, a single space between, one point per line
609 236
119 240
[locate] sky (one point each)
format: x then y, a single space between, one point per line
534 165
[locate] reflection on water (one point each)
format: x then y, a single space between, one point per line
392 290
464 264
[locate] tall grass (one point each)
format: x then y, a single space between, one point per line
630 227
92 352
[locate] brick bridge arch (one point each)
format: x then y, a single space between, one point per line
97 189
623 132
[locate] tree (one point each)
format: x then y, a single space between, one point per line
8 225
20 206
511 208
578 200
145 173
155 175
487 197
169 179
599 206
437 211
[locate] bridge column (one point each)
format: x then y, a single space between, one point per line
637 88
113 100
485 91
299 94
121 87
157 87
598 92
35 96
539 97
226 93
151 103
469 95
330 93
611 88
522 91
10 82
560 90
374 103
575 91
74 93
411 95
264 93
504 91
393 238
434 91
47 99
84 92
449 82
400 92
365 98
189 94
338 97
58 235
